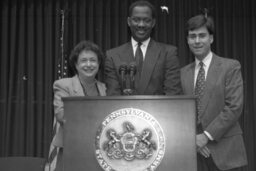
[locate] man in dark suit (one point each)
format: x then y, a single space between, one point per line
157 66
218 86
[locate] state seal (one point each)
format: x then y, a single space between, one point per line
129 139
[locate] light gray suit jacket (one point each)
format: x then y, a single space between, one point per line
67 87
222 107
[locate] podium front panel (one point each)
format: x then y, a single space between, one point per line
166 141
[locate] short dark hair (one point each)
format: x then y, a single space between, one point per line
81 46
200 21
142 3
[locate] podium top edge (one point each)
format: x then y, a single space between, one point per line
135 97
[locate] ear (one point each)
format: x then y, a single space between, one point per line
211 37
76 65
153 22
129 21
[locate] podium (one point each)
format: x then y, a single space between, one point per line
130 133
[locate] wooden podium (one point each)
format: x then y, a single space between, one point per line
130 133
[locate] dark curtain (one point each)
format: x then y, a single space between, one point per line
29 51
32 42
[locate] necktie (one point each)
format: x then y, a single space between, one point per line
139 58
199 90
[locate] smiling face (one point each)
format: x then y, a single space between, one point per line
141 23
199 41
87 65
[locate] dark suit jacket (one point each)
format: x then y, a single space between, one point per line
160 73
222 107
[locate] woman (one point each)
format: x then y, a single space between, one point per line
85 60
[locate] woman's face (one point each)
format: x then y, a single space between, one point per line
87 64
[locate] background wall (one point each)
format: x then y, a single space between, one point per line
38 35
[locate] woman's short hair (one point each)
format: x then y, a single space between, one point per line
84 46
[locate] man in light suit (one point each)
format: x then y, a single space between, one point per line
219 139
160 72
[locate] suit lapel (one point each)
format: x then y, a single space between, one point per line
101 88
189 79
126 55
78 89
212 76
151 57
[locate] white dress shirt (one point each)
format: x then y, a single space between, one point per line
144 46
206 61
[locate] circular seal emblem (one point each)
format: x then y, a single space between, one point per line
129 139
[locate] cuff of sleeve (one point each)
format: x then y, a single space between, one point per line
208 135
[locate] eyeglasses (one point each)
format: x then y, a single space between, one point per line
137 20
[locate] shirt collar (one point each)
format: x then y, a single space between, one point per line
207 60
144 43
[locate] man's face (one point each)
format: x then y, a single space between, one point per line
141 23
199 41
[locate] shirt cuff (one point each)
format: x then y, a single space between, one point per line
208 135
